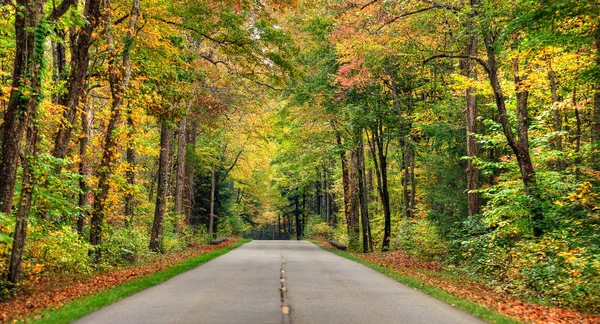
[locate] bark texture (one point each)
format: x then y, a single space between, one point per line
161 191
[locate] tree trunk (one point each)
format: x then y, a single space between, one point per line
212 201
30 39
468 70
379 154
20 231
359 166
81 41
189 172
297 215
278 226
323 203
557 119
119 76
519 147
84 170
596 113
350 185
130 173
578 134
161 191
180 173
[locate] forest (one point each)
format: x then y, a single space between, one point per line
462 132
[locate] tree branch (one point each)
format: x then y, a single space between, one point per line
62 8
474 58
221 42
237 157
441 5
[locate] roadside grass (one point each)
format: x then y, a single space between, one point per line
78 308
466 305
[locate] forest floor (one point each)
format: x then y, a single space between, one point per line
53 291
434 275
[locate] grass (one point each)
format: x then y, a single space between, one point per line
466 305
76 309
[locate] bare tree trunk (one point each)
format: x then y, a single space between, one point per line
119 76
212 201
161 191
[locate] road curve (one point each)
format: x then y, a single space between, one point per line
280 282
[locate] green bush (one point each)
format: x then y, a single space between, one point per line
420 237
172 242
124 246
55 250
232 225
317 227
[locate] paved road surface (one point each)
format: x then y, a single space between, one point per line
280 282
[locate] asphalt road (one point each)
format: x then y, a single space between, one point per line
280 282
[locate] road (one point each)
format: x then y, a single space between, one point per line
280 282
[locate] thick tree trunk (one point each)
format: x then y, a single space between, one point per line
161 191
81 41
119 76
26 77
20 231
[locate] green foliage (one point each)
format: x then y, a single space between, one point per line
317 227
420 237
125 245
232 225
56 250
55 196
562 267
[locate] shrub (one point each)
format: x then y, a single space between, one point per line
318 228
420 238
55 250
124 246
